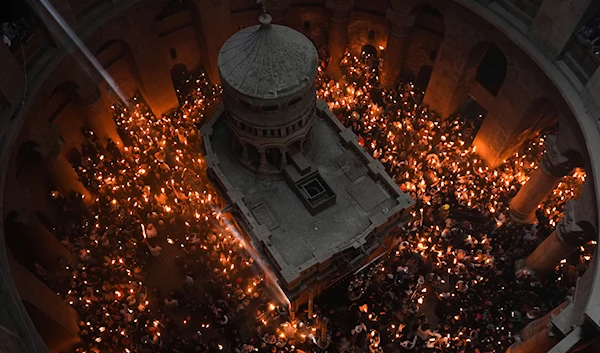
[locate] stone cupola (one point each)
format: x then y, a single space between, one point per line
268 76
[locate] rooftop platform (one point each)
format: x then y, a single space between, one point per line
366 197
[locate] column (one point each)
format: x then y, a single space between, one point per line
213 24
245 156
541 342
544 179
400 26
47 249
555 24
264 164
567 236
323 341
283 152
155 81
540 324
98 115
43 307
12 80
338 34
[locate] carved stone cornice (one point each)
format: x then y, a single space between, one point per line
553 162
568 229
277 8
340 9
400 24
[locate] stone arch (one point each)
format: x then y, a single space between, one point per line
423 77
369 50
60 98
116 57
274 156
74 157
27 154
179 73
492 69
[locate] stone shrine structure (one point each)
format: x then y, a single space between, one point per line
306 196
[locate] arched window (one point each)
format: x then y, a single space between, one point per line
492 70
371 35
173 53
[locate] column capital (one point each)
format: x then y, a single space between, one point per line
553 162
340 9
50 147
400 23
568 229
278 8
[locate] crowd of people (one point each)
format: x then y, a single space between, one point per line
589 35
159 269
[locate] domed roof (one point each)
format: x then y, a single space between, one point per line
268 61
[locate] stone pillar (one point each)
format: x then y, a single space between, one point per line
555 24
155 81
98 115
323 341
47 306
338 34
540 324
400 26
213 24
310 304
39 241
264 164
567 236
245 156
12 80
541 342
283 151
544 179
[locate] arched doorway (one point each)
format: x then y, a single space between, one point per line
116 58
368 50
179 73
74 157
423 77
492 69
274 157
60 98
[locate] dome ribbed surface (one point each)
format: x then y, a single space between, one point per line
268 61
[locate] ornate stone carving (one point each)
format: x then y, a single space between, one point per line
567 229
400 24
553 162
50 146
340 9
